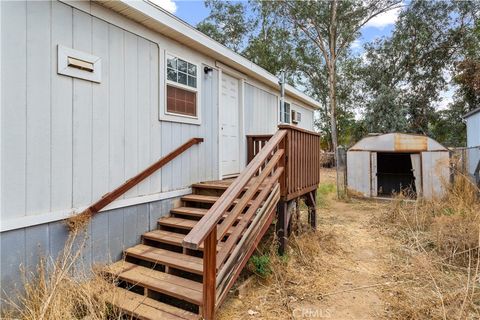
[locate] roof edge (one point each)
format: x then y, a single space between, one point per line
167 20
471 113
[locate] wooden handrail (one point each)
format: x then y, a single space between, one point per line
130 183
302 150
205 226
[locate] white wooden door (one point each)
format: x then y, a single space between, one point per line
230 126
417 172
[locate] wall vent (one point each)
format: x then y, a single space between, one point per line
78 64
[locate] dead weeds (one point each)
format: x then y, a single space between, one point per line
61 289
437 268
293 278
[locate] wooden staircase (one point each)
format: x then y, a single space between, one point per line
185 268
159 278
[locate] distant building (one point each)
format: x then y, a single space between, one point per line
381 165
473 143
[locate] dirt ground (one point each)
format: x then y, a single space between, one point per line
350 277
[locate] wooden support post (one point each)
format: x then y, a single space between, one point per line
282 226
312 209
209 275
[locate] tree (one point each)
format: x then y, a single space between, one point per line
227 23
405 74
331 26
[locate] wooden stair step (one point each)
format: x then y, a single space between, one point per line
223 184
177 223
168 237
167 258
205 199
145 308
177 287
185 224
212 186
190 211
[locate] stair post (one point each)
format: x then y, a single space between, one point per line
282 206
209 275
312 209
282 226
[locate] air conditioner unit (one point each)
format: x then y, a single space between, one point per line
296 116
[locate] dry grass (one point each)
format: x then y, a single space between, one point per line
79 221
437 269
61 289
290 280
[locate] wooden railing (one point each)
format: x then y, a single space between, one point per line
302 169
259 183
303 162
108 198
283 166
255 143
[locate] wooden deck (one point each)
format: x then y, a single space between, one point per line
185 268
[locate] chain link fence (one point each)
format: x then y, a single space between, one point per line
341 166
467 160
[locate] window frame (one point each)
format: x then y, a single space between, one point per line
166 115
283 112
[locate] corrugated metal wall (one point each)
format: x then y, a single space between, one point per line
65 141
358 171
435 173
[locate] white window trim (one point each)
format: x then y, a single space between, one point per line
282 112
164 115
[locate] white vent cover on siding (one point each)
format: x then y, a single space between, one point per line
77 64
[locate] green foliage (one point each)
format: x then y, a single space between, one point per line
228 23
261 265
397 84
324 189
405 74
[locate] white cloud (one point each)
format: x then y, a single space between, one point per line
446 97
356 44
384 19
168 5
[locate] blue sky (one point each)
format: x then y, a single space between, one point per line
194 11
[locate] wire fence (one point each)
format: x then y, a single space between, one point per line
341 166
467 160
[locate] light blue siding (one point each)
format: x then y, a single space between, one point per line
473 141
67 141
107 235
261 111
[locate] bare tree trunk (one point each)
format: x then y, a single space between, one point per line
332 92
332 74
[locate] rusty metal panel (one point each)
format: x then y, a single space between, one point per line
406 142
435 173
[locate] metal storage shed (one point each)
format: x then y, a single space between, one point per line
384 164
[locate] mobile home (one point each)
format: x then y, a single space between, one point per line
92 93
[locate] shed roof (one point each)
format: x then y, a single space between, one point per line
397 142
160 20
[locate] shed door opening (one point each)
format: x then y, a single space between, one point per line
395 174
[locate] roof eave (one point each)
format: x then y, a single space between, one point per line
147 12
471 113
